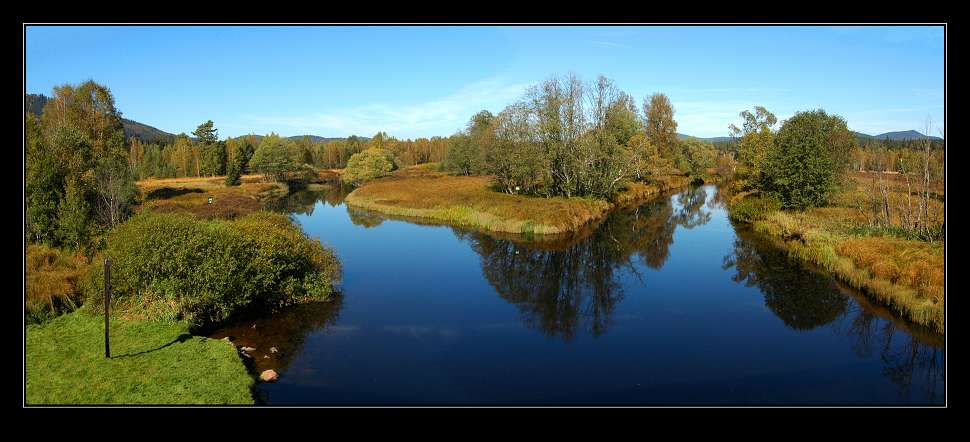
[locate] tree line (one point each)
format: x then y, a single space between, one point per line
566 137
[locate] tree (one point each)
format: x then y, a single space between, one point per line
79 133
807 159
43 185
757 137
213 159
233 173
466 151
698 156
367 165
115 189
275 158
661 128
206 133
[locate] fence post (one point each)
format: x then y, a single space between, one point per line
107 305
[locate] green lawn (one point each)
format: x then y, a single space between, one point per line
151 363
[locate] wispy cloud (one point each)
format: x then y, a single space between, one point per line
437 117
610 44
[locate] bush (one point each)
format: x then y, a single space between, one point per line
369 164
808 157
172 266
754 208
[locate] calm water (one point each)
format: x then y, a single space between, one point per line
664 304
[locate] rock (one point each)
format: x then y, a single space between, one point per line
273 350
248 348
269 376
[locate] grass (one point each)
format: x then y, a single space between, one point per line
51 280
191 195
469 201
152 362
906 275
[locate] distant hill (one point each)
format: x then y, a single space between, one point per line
313 138
148 134
317 139
681 136
905 135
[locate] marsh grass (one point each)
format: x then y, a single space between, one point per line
470 201
906 275
51 281
152 362
191 196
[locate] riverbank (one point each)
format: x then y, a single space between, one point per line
907 275
468 201
155 358
152 362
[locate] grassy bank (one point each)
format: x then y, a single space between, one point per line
904 274
469 201
153 362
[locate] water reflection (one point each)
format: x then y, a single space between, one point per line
286 331
801 297
560 290
912 356
302 202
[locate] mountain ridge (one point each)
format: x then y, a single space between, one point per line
149 134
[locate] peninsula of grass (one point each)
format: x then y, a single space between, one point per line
191 195
152 362
904 274
469 201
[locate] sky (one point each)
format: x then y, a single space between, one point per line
425 81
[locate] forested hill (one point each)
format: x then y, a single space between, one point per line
902 135
314 138
35 104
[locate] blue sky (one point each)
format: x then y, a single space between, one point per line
425 81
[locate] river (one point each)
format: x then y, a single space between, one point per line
664 304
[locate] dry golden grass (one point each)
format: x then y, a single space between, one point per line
906 275
468 201
52 277
914 264
191 195
422 192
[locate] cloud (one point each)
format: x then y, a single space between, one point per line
442 116
610 44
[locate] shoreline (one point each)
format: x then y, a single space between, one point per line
470 204
821 248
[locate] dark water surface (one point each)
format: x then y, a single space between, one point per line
664 304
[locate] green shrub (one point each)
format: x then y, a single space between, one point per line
754 208
807 159
369 164
172 266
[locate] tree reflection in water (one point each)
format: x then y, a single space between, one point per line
302 202
912 356
561 288
799 296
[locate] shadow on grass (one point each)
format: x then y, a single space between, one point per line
169 192
180 339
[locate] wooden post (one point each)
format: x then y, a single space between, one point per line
107 305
